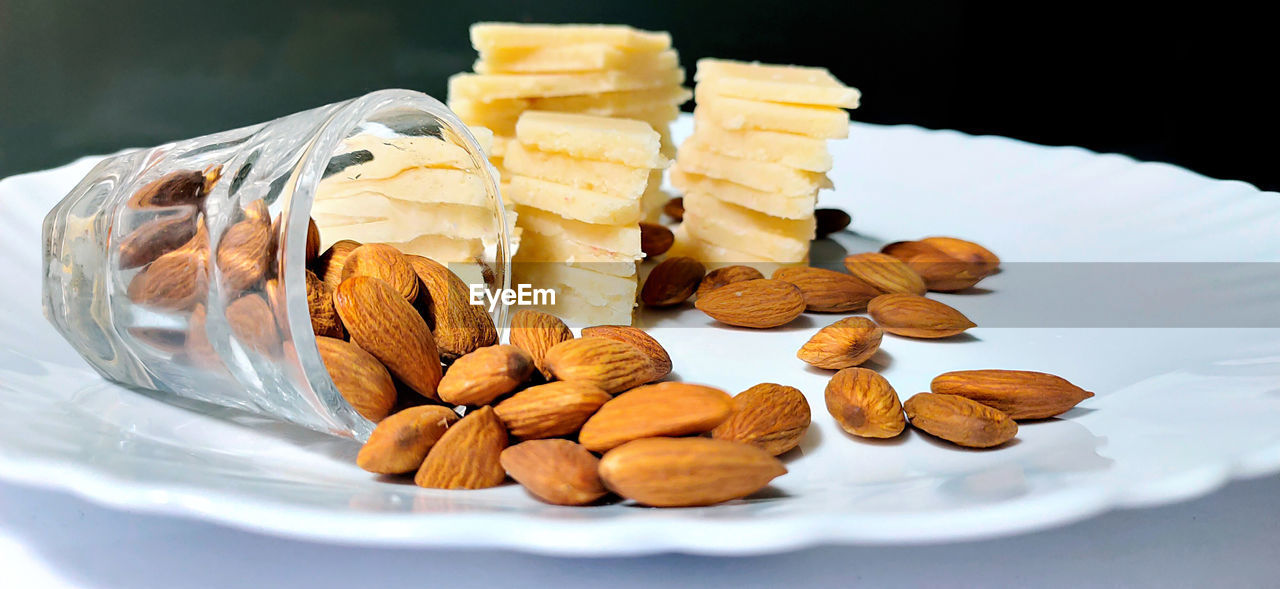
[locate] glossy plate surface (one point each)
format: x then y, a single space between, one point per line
1141 282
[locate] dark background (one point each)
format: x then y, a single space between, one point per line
1187 86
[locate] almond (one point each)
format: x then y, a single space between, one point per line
915 316
758 304
674 209
884 273
363 381
381 322
183 187
313 241
672 281
864 404
157 237
459 326
329 265
687 472
385 263
401 442
828 291
769 416
1021 394
559 472
828 221
946 264
485 374
178 280
663 409
468 455
843 344
536 332
658 357
254 324
961 421
608 364
966 251
942 273
324 317
725 276
655 239
245 254
550 410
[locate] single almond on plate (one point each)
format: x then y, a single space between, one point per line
884 273
828 221
1021 394
381 322
864 404
915 316
961 421
966 251
611 365
468 455
178 280
536 332
658 357
758 304
459 326
485 374
550 410
329 265
401 442
655 239
687 472
675 209
725 276
663 409
769 416
324 317
361 379
385 263
828 291
559 472
946 264
843 344
245 254
672 281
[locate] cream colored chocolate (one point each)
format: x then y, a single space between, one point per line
572 203
605 177
735 114
774 83
573 58
490 36
796 151
764 176
371 217
769 203
490 87
623 141
740 229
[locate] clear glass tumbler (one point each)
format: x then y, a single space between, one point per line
180 268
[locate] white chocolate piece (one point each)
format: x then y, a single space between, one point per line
804 153
572 203
592 285
763 176
372 217
490 87
503 120
774 83
736 114
713 256
623 141
572 58
769 203
605 177
490 36
741 229
602 243
436 185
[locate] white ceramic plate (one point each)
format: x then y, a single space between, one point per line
1188 396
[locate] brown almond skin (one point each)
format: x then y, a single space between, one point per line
385 263
329 265
843 344
245 254
324 317
611 365
459 327
176 281
401 442
758 304
915 316
961 421
558 472
183 187
655 239
769 416
725 276
157 237
658 357
468 455
687 472
885 273
550 410
946 264
672 281
663 409
484 375
253 323
674 208
864 404
381 322
828 221
363 381
1021 394
828 291
313 241
966 251
536 332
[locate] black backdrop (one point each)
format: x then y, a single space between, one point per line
1186 86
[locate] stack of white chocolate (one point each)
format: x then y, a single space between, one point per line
603 70
577 182
752 169
421 194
